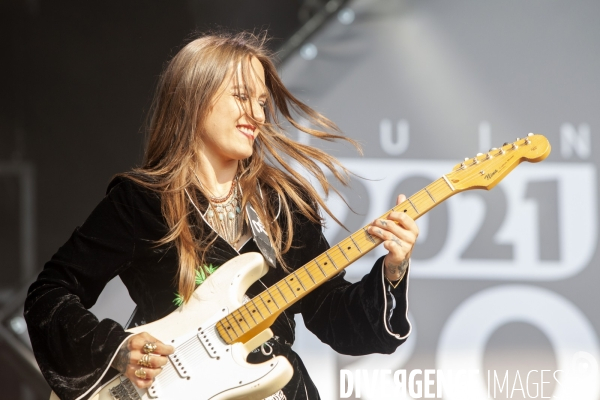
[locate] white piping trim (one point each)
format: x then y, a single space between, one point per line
104 373
385 307
278 201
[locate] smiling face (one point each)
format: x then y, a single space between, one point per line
230 127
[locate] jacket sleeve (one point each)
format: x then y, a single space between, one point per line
73 349
351 318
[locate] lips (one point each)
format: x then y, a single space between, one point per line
247 130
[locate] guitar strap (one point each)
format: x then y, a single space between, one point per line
260 236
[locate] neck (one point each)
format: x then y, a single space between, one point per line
216 176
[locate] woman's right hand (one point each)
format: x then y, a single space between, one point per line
141 358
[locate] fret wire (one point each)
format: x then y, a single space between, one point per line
411 203
282 295
344 254
242 315
430 195
294 293
249 312
319 265
309 274
355 245
238 324
228 317
330 259
421 194
298 279
257 308
267 307
225 329
273 298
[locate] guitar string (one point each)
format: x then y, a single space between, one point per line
436 188
189 352
302 273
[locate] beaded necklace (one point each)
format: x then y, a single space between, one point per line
223 214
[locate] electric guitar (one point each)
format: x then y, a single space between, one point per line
215 331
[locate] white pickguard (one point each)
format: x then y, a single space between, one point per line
204 366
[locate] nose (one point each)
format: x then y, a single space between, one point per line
258 112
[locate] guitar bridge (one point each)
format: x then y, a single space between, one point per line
124 391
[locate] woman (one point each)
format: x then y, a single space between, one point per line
165 226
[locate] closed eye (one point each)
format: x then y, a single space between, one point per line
241 96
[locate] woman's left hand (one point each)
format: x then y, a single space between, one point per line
399 233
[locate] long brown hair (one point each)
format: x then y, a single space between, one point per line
181 102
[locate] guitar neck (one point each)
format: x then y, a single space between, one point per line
260 312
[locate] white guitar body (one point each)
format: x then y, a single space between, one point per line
203 365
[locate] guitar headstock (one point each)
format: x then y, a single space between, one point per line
484 171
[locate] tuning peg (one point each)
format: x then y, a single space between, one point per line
505 144
514 146
475 161
466 158
517 139
527 141
479 154
530 134
488 156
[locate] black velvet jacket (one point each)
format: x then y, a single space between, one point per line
74 349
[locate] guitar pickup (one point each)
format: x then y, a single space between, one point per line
209 340
154 390
180 365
